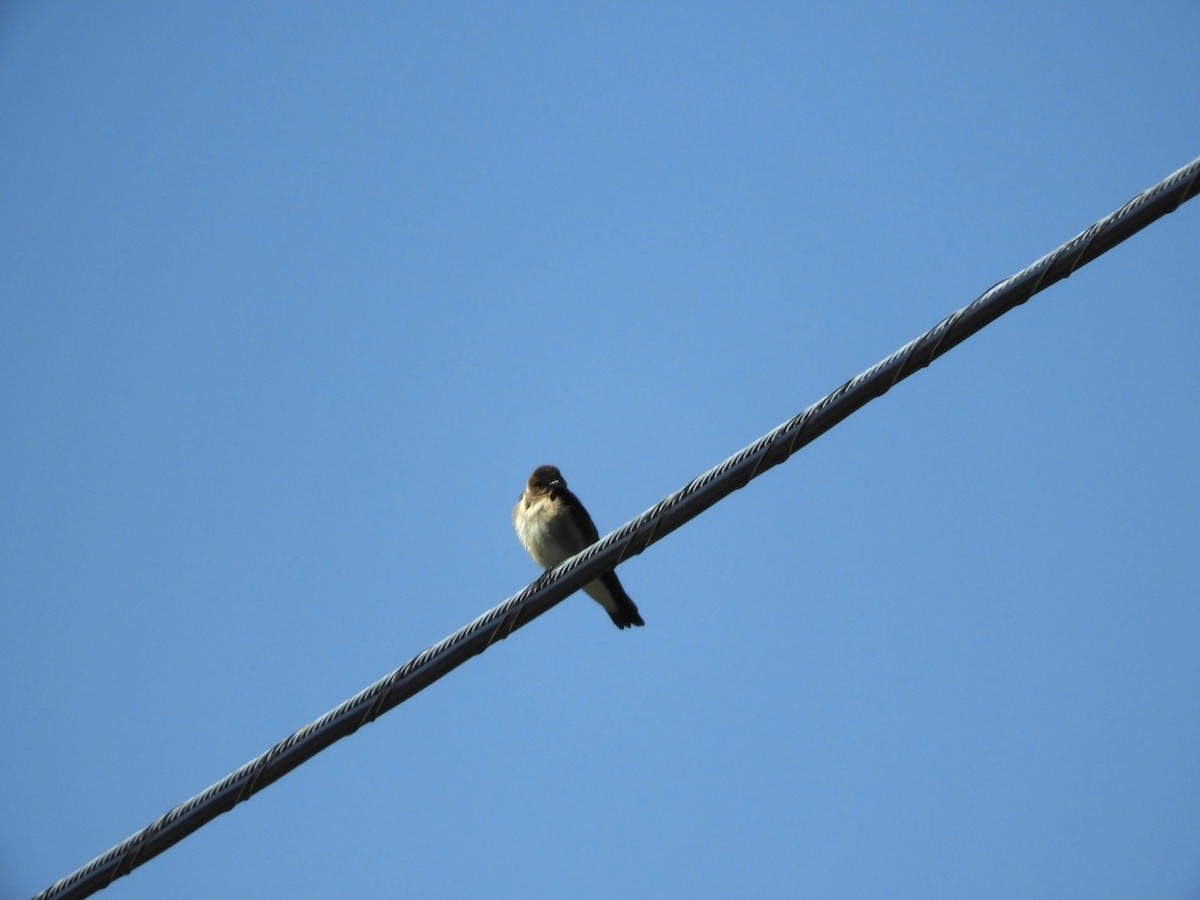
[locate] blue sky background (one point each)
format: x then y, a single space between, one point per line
295 296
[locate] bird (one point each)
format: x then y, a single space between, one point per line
553 525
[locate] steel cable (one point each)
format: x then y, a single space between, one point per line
628 540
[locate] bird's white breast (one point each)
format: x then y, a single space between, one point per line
542 541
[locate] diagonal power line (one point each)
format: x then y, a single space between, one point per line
628 540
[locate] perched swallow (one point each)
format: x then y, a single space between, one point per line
553 525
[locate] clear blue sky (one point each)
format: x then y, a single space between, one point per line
295 296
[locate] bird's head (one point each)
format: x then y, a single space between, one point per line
546 480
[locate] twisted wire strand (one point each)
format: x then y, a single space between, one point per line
629 540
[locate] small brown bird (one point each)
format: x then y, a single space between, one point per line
553 525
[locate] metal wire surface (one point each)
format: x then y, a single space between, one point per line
628 540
